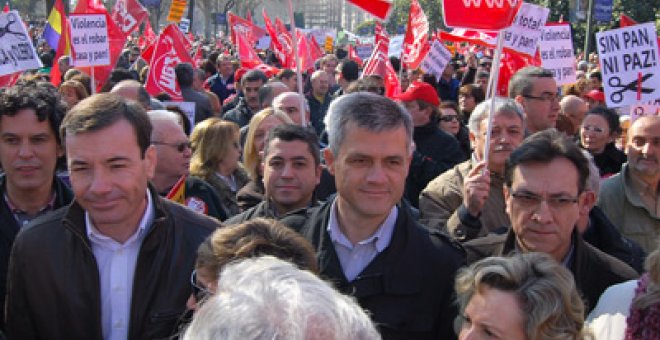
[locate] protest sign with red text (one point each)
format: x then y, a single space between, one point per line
480 14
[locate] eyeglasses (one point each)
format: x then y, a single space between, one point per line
199 292
533 201
449 118
546 97
180 147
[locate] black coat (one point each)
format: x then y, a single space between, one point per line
592 269
408 288
54 288
609 162
9 229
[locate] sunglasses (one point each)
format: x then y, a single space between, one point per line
199 292
449 118
180 147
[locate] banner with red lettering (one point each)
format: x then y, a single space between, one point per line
128 15
415 43
169 51
480 14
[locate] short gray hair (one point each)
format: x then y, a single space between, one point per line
368 111
280 97
522 82
268 298
502 105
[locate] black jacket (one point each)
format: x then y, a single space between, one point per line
408 288
54 288
609 162
435 152
602 234
241 114
592 269
9 229
201 197
317 111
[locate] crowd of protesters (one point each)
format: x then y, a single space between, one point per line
334 214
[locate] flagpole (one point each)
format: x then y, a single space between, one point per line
294 37
492 85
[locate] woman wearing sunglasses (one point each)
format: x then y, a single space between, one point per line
451 123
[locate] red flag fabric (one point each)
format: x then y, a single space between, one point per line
314 48
63 44
475 37
352 55
197 57
269 71
286 41
248 17
241 26
380 34
625 21
417 36
512 62
275 44
149 34
128 15
306 59
392 85
116 40
168 52
376 63
377 8
9 80
480 14
248 57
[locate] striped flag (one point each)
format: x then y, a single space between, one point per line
56 27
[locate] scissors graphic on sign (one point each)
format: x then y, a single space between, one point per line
615 82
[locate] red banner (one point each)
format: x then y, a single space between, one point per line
247 55
128 15
241 26
378 8
168 52
480 14
286 41
415 43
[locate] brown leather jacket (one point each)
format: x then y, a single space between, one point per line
54 290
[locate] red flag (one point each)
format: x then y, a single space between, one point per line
197 57
482 38
63 44
6 8
248 57
306 59
314 48
248 17
513 61
116 40
169 52
378 8
417 37
128 15
352 55
8 80
246 28
380 34
625 21
477 14
269 71
376 63
392 85
149 34
286 41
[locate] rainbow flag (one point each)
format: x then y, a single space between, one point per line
56 25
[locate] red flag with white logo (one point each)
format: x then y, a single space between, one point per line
249 58
286 41
169 51
241 26
352 55
480 14
378 8
380 34
128 15
415 43
304 53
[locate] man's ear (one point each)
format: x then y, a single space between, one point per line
329 160
507 195
150 161
586 201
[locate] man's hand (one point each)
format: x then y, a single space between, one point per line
475 189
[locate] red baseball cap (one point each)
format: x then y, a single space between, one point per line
596 95
422 91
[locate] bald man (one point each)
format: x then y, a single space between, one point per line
133 89
574 109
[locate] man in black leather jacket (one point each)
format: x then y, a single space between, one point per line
115 263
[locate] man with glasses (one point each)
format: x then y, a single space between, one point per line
535 89
545 178
631 198
115 263
171 178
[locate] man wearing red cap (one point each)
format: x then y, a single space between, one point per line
435 150
594 99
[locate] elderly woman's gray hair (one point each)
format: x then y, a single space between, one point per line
367 111
550 303
268 298
502 105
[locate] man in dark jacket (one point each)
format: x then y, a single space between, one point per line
29 151
319 99
544 193
185 75
422 102
366 242
116 263
248 103
222 83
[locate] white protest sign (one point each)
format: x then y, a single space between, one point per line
557 52
436 60
396 45
89 40
364 51
184 25
16 50
646 109
525 32
188 108
629 64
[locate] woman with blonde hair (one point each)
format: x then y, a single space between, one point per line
527 296
255 140
215 159
72 92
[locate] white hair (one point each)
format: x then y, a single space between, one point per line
268 298
502 105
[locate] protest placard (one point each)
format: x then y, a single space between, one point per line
396 45
89 40
557 52
436 60
477 14
184 25
524 34
645 109
16 50
629 64
364 51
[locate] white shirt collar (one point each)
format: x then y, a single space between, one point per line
145 222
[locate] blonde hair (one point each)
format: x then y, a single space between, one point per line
545 289
77 86
211 141
251 159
